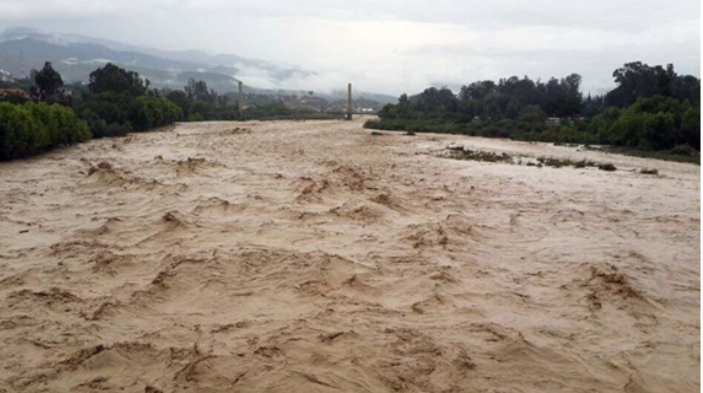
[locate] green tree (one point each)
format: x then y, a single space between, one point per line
197 91
149 112
657 131
181 99
477 90
114 79
636 80
532 113
691 128
48 82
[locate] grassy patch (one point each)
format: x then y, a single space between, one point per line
461 153
554 162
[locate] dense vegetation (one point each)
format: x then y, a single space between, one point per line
197 102
28 129
119 101
651 109
116 102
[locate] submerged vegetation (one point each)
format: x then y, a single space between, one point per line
459 153
462 153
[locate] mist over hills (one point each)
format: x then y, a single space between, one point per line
76 56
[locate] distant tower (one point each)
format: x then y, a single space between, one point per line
349 101
240 100
23 75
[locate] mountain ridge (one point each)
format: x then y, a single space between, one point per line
75 56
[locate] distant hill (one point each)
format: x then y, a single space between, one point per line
75 56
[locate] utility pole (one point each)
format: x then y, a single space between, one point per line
349 101
240 102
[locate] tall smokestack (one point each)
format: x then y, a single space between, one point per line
240 102
349 102
23 75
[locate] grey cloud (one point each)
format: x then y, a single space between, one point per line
607 14
397 45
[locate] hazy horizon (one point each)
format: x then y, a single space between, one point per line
395 47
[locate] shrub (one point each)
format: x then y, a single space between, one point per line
21 135
199 117
70 129
30 129
150 112
101 129
684 150
141 114
116 130
108 106
691 128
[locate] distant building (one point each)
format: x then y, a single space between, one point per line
6 76
17 92
65 92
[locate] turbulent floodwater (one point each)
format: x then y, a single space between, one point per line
313 257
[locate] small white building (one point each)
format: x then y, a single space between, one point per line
6 76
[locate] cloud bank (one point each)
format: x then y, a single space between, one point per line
396 46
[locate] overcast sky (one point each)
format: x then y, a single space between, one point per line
394 46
